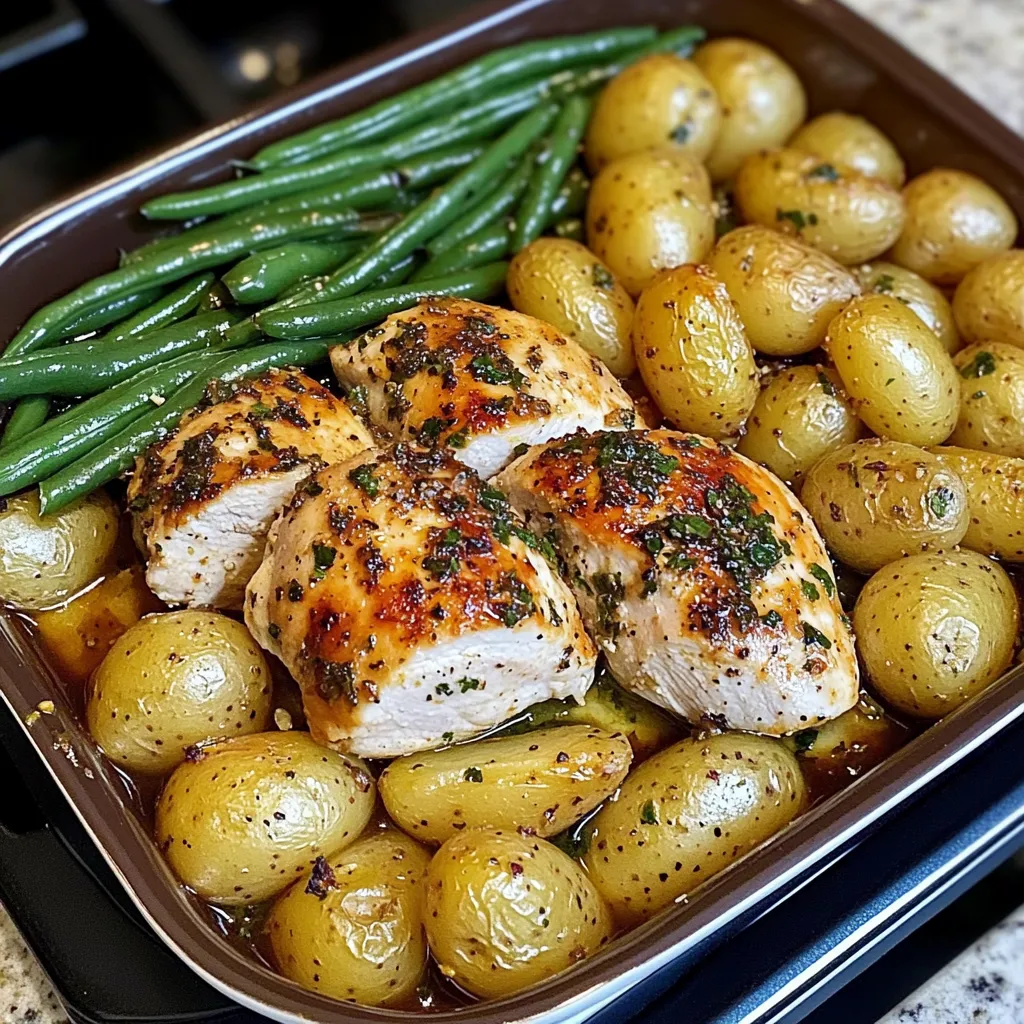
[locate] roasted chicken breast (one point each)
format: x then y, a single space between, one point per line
412 606
699 574
204 498
479 380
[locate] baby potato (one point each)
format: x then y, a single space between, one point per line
995 501
649 211
560 281
44 560
847 140
954 221
246 816
933 630
801 414
173 681
353 928
762 100
836 752
902 381
991 399
693 354
989 301
785 292
543 781
687 813
507 910
915 292
851 217
661 100
876 500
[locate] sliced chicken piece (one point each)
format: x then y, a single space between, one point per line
480 381
700 575
411 605
204 498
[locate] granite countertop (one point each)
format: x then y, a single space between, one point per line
977 43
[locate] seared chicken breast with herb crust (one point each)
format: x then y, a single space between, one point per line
478 380
204 498
412 606
700 575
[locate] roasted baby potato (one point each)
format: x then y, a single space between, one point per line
991 399
762 100
44 560
506 910
989 301
661 100
245 817
177 680
995 500
785 292
875 500
914 291
649 211
850 217
353 928
954 221
685 814
902 381
693 352
540 781
935 629
560 281
836 752
847 140
801 414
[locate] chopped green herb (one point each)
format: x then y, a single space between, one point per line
520 450
323 559
939 501
680 561
649 814
473 775
431 429
980 366
610 593
772 619
493 499
447 737
680 526
443 690
889 381
812 635
810 590
804 740
363 478
823 576
826 385
465 684
823 172
602 278
883 283
496 368
274 630
797 218
459 439
681 132
260 411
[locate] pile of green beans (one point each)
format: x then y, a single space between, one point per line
425 193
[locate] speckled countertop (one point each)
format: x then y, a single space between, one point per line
979 44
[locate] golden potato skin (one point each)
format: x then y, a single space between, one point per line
786 292
543 781
693 353
876 500
995 500
850 217
354 929
46 560
914 291
989 301
851 141
991 399
762 99
175 680
685 814
560 281
506 910
954 222
935 629
251 814
661 100
649 211
801 414
902 381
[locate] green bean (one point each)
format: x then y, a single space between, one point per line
534 210
167 310
491 208
101 316
330 318
435 213
28 415
172 264
262 276
114 456
85 368
74 433
486 74
397 274
488 244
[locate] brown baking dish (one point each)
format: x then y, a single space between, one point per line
844 63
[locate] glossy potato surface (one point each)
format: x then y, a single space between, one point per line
989 301
851 141
991 399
